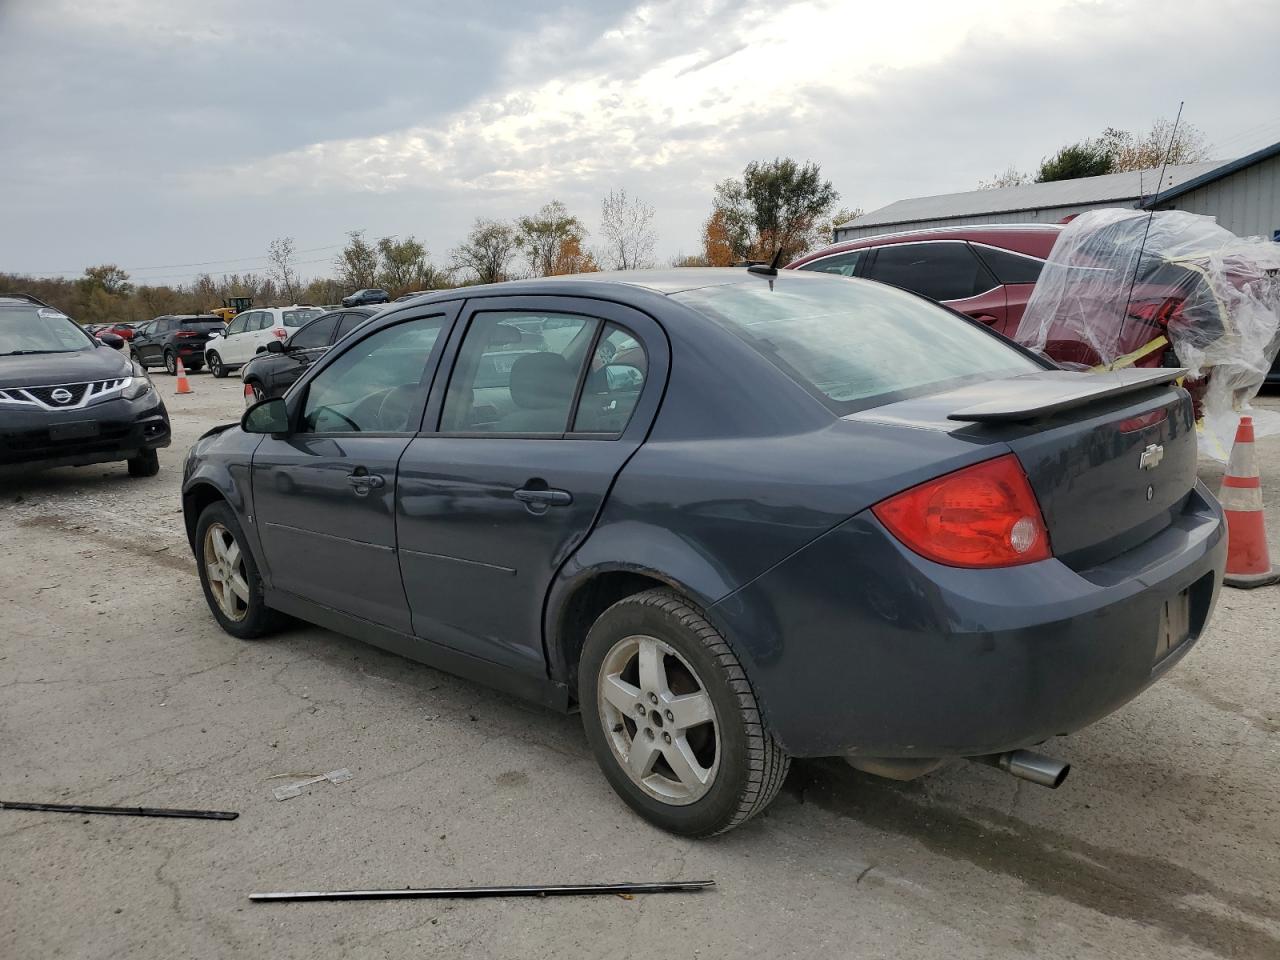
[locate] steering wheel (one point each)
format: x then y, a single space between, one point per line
393 411
341 416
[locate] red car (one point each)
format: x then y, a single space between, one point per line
986 272
125 330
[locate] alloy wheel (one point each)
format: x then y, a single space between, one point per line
659 720
171 364
225 570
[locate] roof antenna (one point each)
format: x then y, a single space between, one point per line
769 269
1151 212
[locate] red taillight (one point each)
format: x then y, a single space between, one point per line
1141 422
187 333
279 332
982 516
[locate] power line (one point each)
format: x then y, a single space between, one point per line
171 266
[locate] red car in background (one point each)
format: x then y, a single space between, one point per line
985 272
125 330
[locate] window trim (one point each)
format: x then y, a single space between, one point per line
1015 253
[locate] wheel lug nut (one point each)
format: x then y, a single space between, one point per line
640 709
653 698
648 733
670 715
666 737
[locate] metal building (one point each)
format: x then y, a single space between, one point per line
1243 194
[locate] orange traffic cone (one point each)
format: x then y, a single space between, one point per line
184 385
1248 562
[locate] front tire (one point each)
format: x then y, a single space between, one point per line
229 576
170 363
145 464
672 719
216 367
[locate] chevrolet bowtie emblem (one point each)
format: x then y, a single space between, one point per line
1151 456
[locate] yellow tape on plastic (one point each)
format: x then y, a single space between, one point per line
1129 359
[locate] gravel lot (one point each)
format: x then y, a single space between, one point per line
116 687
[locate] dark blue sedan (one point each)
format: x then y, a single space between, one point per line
733 516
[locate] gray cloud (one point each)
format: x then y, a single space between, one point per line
181 133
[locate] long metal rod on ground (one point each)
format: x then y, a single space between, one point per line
474 893
121 811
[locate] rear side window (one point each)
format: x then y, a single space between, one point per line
617 374
855 345
315 334
517 373
349 322
1010 267
299 318
259 321
940 271
842 264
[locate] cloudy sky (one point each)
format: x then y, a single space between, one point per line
154 133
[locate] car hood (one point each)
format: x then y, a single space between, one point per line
44 369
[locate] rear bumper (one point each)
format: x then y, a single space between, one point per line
121 429
857 646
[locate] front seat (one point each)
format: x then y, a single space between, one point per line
542 387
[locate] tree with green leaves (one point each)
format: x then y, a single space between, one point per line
1088 158
357 262
404 265
485 255
775 206
107 277
543 235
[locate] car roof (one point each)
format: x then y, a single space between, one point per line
1034 239
663 281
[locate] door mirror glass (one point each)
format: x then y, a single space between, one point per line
113 340
266 416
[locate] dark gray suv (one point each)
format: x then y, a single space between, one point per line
734 516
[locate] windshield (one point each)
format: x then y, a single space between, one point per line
855 344
204 323
40 330
297 318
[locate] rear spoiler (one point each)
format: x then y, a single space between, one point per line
1043 394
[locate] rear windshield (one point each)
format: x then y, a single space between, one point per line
854 344
297 318
33 329
204 323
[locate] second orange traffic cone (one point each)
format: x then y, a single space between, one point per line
184 385
1248 559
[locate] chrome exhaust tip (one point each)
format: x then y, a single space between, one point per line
1029 765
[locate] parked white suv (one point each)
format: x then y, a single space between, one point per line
249 333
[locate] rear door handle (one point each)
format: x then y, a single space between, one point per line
533 496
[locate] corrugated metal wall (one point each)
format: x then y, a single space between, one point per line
1247 203
1051 215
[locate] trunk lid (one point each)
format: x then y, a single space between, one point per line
1111 457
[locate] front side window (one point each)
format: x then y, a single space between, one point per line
517 372
612 388
315 334
940 271
374 386
843 264
855 346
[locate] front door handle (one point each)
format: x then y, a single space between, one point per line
543 497
362 482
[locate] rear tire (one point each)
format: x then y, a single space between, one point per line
215 366
145 464
170 363
701 719
229 576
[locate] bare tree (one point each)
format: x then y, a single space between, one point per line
280 256
487 252
1010 177
627 226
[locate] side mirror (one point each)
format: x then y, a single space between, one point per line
112 340
266 416
275 346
